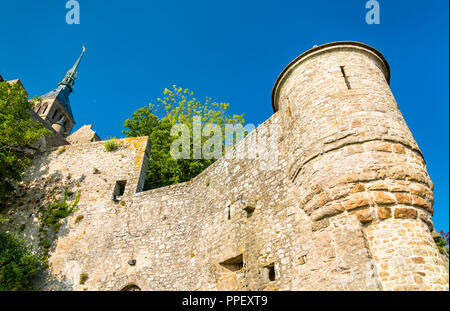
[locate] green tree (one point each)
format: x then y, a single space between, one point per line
17 131
18 265
177 105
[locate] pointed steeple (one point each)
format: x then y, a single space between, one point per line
71 75
55 108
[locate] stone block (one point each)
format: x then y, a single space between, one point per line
405 213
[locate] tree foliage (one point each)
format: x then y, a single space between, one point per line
17 131
18 265
177 105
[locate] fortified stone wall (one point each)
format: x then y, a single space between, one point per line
344 201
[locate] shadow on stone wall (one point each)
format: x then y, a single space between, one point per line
23 210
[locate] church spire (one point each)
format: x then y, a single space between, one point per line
71 75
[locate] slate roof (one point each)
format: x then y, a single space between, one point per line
62 94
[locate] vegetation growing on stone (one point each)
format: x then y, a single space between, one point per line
51 216
83 278
58 209
177 105
18 265
112 145
442 242
79 218
17 131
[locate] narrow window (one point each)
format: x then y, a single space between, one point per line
229 212
38 108
119 190
345 78
54 114
269 273
45 109
233 264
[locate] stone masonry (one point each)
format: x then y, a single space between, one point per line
348 206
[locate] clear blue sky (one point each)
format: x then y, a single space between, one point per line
231 51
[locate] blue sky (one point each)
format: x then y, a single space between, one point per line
231 51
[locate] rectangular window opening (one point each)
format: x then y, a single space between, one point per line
233 264
269 273
119 190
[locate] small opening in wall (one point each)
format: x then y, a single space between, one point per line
228 212
45 109
131 288
249 209
269 272
119 190
233 264
345 78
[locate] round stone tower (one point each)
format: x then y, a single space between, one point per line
355 167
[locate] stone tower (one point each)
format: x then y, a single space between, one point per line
355 167
55 108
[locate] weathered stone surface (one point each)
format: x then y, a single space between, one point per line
83 135
383 198
358 188
399 149
418 260
408 213
320 224
327 211
357 200
365 216
418 201
380 146
379 185
403 198
345 162
384 212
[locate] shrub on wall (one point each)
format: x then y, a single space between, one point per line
112 145
18 265
51 217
